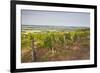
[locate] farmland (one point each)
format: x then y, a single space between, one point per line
54 43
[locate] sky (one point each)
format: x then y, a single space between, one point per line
59 18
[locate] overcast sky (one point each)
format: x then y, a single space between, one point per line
32 17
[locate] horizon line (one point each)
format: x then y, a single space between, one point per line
55 25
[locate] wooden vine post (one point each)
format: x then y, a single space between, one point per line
33 51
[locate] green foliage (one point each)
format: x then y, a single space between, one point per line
49 39
25 40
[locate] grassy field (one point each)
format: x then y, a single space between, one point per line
55 45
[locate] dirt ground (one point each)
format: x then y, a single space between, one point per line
75 52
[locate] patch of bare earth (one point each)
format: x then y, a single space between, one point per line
75 52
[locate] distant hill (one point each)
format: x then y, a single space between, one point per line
47 27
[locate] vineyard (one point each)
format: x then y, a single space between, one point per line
55 45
